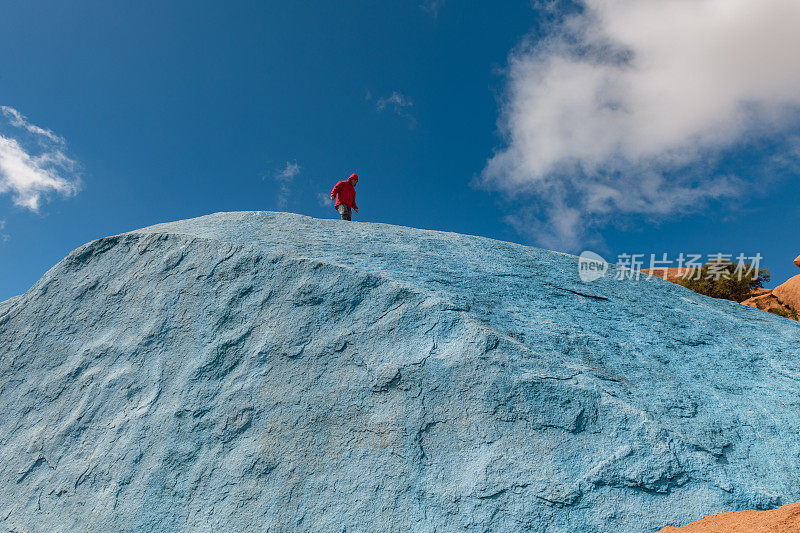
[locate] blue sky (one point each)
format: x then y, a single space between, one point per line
475 117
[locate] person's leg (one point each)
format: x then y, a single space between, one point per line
344 211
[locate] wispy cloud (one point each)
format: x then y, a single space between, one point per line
396 101
18 120
324 200
399 103
33 162
433 6
284 178
626 106
289 172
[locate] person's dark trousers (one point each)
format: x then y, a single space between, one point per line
344 211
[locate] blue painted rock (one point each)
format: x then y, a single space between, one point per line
273 372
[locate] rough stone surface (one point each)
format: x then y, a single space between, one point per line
797 261
273 372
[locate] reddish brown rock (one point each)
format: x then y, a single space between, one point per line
789 292
783 520
797 261
764 300
673 274
784 300
759 292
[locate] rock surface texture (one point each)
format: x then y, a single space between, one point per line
273 372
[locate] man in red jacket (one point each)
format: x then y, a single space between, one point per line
345 195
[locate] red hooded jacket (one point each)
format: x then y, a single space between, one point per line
345 193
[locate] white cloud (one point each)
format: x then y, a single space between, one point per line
625 106
33 163
399 103
284 178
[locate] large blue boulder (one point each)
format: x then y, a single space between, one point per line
273 372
